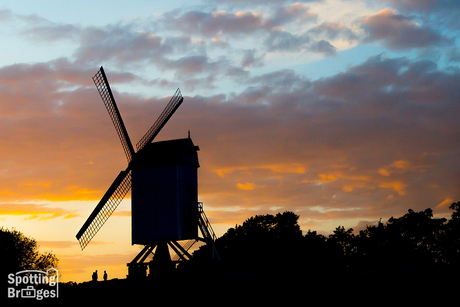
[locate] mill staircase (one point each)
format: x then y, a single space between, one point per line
206 229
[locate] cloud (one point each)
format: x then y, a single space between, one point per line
376 138
215 23
402 166
284 141
190 65
184 56
250 59
399 31
425 5
446 12
246 186
234 25
285 41
123 44
52 32
285 15
398 186
381 146
284 80
323 47
334 30
50 125
34 211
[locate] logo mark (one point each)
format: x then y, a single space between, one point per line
34 284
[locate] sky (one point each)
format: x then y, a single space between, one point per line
342 111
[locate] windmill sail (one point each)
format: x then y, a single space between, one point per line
103 87
105 208
172 106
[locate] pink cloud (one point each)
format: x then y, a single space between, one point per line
399 31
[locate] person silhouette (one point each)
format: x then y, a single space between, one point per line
94 277
105 276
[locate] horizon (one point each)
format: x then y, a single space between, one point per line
341 111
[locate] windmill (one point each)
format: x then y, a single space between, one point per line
164 202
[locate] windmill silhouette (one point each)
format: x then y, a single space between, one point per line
164 202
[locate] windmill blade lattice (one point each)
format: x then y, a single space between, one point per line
172 106
105 208
103 87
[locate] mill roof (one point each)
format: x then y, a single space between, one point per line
166 153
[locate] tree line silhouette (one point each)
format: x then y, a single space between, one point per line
19 252
416 241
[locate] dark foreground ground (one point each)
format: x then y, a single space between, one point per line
259 289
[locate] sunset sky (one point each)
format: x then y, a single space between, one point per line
342 111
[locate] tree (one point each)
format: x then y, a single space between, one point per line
316 254
286 226
341 244
456 208
18 253
415 241
262 242
371 244
420 236
452 240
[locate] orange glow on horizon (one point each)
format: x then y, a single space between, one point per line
35 211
